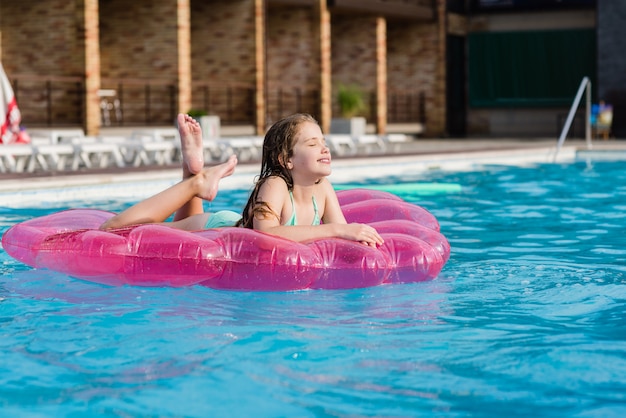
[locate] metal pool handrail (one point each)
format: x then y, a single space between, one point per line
585 85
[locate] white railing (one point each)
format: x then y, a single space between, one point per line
585 86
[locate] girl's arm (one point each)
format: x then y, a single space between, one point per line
276 195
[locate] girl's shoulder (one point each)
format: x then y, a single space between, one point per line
275 182
273 188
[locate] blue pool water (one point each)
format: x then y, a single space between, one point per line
527 318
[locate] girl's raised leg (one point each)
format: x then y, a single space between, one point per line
190 133
191 144
159 207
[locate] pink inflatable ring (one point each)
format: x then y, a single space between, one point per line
237 258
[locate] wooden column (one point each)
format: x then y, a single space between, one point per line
92 119
261 62
183 40
381 75
324 42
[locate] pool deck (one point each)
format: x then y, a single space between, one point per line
427 153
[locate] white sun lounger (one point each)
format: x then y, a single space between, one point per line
138 153
370 144
213 151
60 136
341 144
56 135
54 157
147 146
396 140
95 152
15 158
246 148
218 150
156 134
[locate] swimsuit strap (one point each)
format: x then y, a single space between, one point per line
293 221
316 218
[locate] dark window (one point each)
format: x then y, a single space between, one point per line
541 68
456 6
503 5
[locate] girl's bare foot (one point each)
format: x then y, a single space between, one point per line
190 144
211 176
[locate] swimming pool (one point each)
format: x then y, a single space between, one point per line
528 317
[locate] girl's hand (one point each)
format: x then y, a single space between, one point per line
362 233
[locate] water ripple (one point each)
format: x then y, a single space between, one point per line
527 318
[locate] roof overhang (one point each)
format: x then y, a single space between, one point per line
396 9
292 2
393 9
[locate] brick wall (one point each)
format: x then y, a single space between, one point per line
223 60
354 57
138 39
412 70
293 62
139 57
223 41
138 47
42 39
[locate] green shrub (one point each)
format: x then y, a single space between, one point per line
351 101
196 113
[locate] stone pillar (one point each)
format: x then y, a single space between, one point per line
183 39
90 21
324 42
381 76
260 63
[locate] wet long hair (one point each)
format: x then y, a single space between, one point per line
277 150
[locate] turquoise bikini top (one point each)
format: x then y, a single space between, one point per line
292 221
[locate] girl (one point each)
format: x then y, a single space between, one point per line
292 197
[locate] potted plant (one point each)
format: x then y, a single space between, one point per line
352 108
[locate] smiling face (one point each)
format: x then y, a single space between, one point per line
311 159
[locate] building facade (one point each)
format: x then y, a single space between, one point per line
447 67
525 62
247 61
